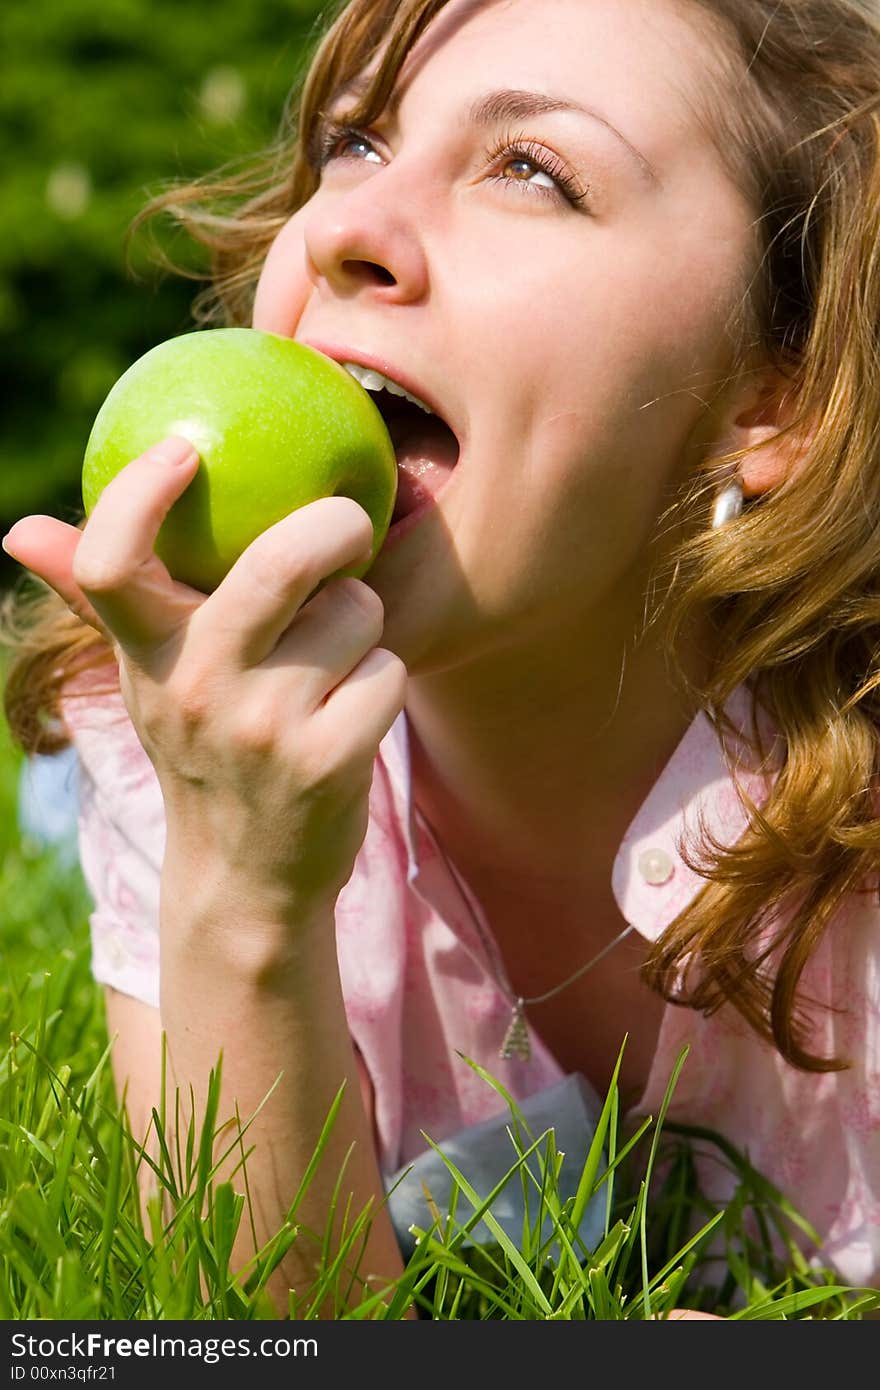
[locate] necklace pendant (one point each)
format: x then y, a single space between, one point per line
516 1039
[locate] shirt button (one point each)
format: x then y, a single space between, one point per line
656 866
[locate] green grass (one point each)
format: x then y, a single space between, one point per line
73 1244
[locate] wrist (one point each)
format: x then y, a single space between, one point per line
225 923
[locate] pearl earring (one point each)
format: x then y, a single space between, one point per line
728 504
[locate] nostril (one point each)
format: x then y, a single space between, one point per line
369 269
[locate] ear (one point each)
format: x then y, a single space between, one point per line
762 418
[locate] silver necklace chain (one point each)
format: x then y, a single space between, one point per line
515 1042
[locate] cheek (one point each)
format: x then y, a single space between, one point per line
638 305
284 285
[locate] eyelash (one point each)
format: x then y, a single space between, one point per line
516 146
510 146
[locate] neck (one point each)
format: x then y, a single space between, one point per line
532 782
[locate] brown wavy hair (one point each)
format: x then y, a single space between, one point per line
791 586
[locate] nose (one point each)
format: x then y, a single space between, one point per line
366 240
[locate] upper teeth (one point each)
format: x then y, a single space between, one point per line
375 381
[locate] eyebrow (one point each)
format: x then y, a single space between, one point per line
514 104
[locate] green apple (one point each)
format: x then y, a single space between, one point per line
276 424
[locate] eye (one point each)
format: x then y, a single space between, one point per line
337 141
528 171
536 168
525 163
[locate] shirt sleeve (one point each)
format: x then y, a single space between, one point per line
121 831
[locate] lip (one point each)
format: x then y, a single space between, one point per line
406 524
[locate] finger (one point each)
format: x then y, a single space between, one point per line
115 566
362 708
329 636
262 593
47 546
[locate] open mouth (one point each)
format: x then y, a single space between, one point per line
425 446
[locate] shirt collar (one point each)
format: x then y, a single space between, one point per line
698 793
699 790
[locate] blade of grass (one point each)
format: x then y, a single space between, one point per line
482 1207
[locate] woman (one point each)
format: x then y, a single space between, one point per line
627 609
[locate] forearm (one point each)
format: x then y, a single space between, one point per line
262 706
272 1003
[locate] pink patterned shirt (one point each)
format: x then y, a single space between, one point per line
418 989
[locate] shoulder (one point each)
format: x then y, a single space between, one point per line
120 799
92 708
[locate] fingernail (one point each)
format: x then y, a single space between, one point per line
175 451
5 539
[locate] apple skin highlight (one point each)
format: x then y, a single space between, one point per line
276 424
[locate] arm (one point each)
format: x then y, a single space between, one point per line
261 707
136 1032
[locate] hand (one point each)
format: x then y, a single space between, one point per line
261 705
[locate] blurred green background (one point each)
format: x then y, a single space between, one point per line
102 102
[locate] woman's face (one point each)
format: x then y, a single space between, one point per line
541 241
